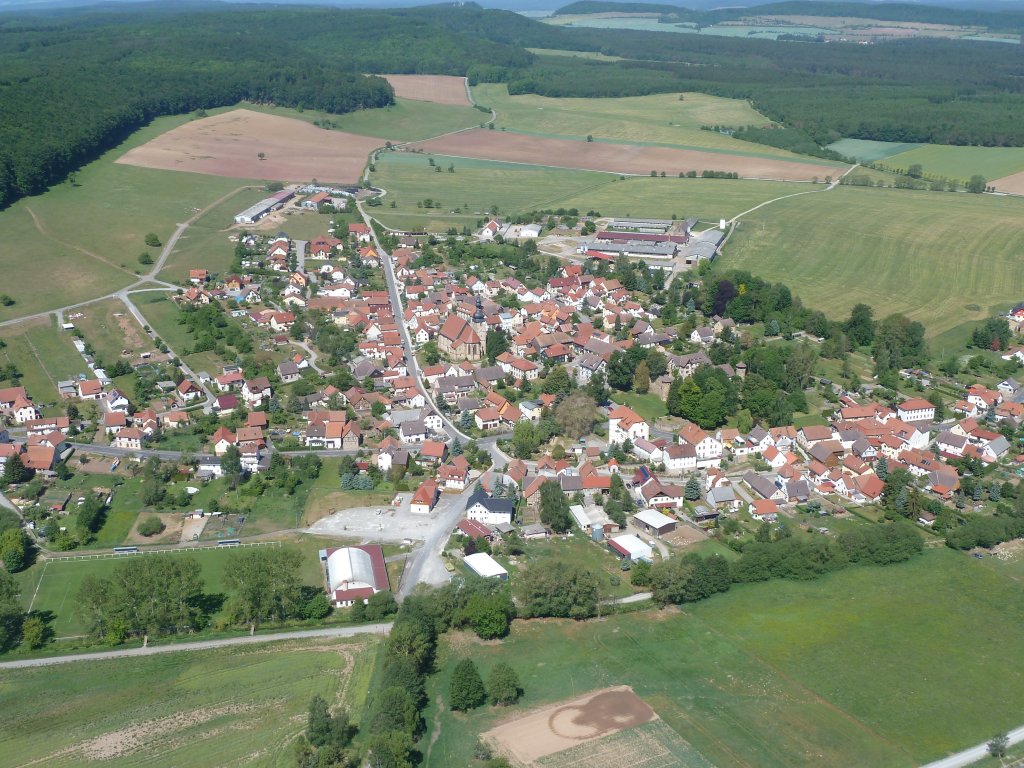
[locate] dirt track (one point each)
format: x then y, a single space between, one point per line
573 722
229 144
440 89
617 158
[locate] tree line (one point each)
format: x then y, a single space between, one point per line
776 553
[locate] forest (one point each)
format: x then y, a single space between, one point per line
76 83
73 85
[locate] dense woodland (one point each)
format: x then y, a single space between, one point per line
75 84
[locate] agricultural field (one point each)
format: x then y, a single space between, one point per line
44 355
941 258
961 162
110 329
408 119
244 144
85 237
868 151
473 189
854 669
439 89
590 55
477 185
663 119
227 706
636 159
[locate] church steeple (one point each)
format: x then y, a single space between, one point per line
478 315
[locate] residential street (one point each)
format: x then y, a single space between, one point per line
152 650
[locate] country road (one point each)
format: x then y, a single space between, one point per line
974 754
374 629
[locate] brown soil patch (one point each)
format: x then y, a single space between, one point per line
229 145
171 533
440 89
130 330
616 158
571 723
1012 184
685 535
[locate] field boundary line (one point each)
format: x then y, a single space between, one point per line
39 583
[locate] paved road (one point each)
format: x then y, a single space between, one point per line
300 255
975 753
425 564
375 629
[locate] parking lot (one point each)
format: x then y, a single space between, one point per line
395 523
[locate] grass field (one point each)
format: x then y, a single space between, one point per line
649 406
925 254
592 55
230 706
961 162
103 326
867 667
89 236
660 119
477 185
162 315
53 584
44 355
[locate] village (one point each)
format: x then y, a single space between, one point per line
468 384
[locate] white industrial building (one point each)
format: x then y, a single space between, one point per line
354 573
485 566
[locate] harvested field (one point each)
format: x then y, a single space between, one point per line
617 158
229 144
1012 184
440 89
571 723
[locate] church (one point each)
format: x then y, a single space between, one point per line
461 339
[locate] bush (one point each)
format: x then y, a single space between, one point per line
151 526
318 607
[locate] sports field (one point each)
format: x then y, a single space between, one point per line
961 162
659 119
230 706
51 586
866 667
925 254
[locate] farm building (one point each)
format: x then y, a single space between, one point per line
485 566
354 573
255 212
631 548
654 522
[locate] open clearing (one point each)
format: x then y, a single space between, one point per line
229 144
230 706
619 158
925 254
440 89
870 666
662 118
569 723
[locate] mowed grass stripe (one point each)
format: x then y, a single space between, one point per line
927 255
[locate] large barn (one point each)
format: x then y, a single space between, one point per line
354 573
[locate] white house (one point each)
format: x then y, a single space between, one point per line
625 424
